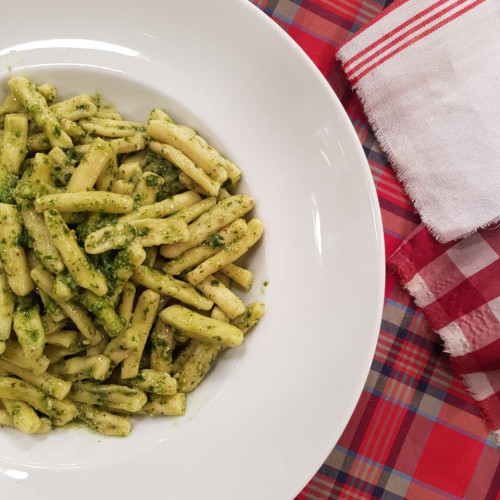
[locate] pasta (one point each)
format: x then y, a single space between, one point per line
120 248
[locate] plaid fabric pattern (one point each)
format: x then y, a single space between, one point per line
416 433
455 285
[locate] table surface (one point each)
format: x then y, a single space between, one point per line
415 433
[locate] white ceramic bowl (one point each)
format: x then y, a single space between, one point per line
269 413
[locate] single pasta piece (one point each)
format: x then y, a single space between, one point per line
75 108
27 190
154 382
87 201
197 365
224 297
23 416
8 182
12 254
99 154
109 396
42 167
142 321
165 284
193 211
124 187
221 278
110 238
147 188
11 105
48 91
38 142
72 129
127 299
128 144
129 171
27 324
200 327
103 309
62 286
14 146
103 421
108 112
51 325
43 246
82 271
82 367
108 127
239 275
186 181
162 347
108 174
165 405
253 313
52 308
155 232
61 338
126 262
217 313
7 303
151 255
148 232
162 208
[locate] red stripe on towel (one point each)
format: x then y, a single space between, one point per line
355 78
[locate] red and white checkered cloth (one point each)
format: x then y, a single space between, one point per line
457 286
427 73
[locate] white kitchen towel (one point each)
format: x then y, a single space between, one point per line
428 75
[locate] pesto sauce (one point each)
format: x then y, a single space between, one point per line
8 183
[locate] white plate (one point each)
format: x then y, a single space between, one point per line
270 412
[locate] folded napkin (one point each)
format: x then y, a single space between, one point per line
457 286
428 75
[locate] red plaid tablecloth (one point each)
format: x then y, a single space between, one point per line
416 433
